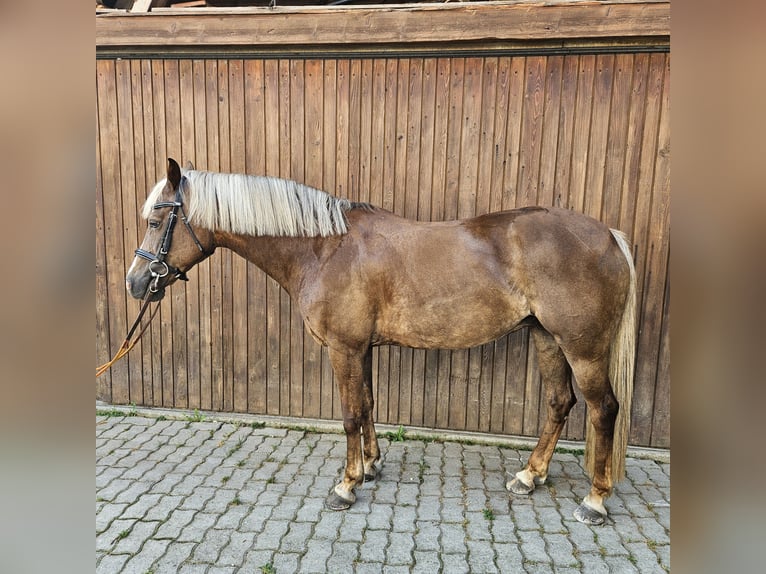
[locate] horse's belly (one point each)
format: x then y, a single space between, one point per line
459 323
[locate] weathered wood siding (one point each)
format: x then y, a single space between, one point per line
430 137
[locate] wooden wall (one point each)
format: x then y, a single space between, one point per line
432 137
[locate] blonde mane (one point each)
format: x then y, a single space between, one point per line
257 205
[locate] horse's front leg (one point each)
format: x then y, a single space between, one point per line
348 366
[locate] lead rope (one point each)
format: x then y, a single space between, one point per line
127 344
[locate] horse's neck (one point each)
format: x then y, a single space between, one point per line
286 259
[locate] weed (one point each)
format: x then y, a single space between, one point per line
241 463
236 447
197 417
488 514
397 436
257 425
268 569
225 479
235 501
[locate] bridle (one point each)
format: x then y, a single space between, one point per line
158 267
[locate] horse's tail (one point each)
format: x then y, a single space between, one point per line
621 369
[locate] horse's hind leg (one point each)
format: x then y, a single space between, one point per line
593 379
371 450
560 397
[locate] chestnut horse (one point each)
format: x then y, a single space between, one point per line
362 276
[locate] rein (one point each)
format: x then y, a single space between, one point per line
159 268
127 344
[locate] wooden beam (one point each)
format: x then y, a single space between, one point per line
517 21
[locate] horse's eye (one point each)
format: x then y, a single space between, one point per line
154 224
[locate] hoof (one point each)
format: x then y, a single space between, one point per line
371 475
336 502
587 515
518 487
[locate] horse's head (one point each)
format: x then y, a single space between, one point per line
168 250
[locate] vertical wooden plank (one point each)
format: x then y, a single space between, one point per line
104 80
657 249
143 357
255 163
365 129
550 135
486 159
470 360
191 289
566 121
633 148
599 128
285 146
414 83
146 112
502 80
531 130
125 128
390 133
469 144
499 375
297 172
616 139
239 268
159 343
497 368
660 437
511 181
174 320
427 142
271 99
378 131
329 90
354 128
582 120
454 127
221 271
211 353
515 384
641 234
199 385
441 123
485 150
425 362
314 134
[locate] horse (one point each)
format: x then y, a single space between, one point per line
362 276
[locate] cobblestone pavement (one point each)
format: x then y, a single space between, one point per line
193 496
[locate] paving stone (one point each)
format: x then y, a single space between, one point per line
143 560
455 563
533 547
373 549
175 554
400 548
111 563
427 536
481 557
314 561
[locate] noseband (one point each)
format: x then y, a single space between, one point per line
158 267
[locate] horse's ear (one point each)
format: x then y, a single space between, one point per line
189 165
174 173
